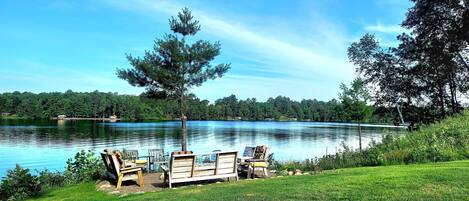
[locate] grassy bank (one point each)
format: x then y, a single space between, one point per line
14 116
447 140
431 181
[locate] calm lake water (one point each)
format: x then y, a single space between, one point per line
48 144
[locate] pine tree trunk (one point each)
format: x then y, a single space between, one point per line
184 132
183 122
183 109
359 136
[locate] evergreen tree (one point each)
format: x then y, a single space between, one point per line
173 67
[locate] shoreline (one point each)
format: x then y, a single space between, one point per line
86 118
368 124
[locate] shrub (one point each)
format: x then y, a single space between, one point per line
85 166
19 184
50 179
283 173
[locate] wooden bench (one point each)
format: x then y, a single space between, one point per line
183 168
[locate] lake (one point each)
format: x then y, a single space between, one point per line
48 144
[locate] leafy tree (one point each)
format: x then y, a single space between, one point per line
173 67
354 103
440 32
428 71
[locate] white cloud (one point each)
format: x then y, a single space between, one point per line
59 78
388 29
303 66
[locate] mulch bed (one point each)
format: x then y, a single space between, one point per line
153 182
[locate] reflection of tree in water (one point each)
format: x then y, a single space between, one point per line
221 135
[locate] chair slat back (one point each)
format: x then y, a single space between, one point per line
115 163
156 155
261 152
131 154
249 151
106 161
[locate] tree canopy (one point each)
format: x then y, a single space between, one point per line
427 73
173 67
131 107
354 101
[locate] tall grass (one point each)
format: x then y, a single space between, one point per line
447 140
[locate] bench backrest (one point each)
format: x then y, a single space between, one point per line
184 165
226 162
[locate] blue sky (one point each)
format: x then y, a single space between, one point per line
291 48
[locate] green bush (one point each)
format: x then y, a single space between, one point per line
50 179
283 173
85 166
19 184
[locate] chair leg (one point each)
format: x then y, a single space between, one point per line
140 179
253 172
119 181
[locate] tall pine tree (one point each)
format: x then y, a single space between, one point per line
174 66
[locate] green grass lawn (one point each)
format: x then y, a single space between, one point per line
434 181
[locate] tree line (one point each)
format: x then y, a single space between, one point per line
132 107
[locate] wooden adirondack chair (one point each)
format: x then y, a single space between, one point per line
257 160
119 173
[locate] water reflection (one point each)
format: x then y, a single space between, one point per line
48 144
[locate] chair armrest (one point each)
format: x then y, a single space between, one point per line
131 171
165 168
256 160
129 164
131 168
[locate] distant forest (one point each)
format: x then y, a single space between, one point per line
131 107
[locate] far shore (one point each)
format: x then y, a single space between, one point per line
372 124
86 118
